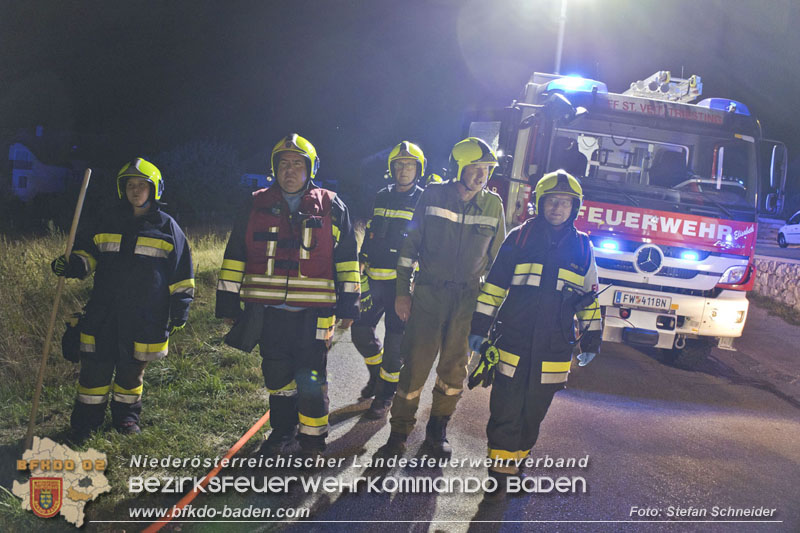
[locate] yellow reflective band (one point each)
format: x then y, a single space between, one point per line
325 322
555 366
486 309
228 286
107 237
528 268
589 314
229 275
352 277
336 232
494 290
413 395
489 299
92 262
232 264
283 281
506 455
186 285
155 243
136 390
381 273
375 359
508 357
87 339
148 352
312 422
289 297
288 390
347 266
392 377
405 262
571 277
396 213
96 391
378 212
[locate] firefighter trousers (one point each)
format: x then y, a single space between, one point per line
294 353
386 354
439 324
108 369
517 407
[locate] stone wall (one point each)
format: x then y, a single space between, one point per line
778 279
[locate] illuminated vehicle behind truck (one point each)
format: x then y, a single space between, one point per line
671 196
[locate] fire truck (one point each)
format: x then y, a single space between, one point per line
672 193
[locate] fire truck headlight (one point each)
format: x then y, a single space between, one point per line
733 275
728 316
690 255
609 245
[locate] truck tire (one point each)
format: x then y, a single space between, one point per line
690 356
782 241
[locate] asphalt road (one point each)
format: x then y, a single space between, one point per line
656 437
765 249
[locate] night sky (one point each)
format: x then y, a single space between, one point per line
358 76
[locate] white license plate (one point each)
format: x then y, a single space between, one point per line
649 301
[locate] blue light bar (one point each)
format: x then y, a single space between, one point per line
610 245
723 104
690 256
576 84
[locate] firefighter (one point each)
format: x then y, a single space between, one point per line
393 209
143 285
292 260
455 233
543 278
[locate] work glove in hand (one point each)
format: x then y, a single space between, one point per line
584 358
475 342
484 372
366 296
59 266
175 327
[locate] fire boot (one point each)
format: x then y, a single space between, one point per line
394 447
382 401
283 419
436 436
125 416
501 489
85 418
369 389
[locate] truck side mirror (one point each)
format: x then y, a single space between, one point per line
771 203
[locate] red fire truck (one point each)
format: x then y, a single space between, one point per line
672 190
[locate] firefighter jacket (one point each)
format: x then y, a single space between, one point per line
453 241
143 275
303 259
386 230
540 282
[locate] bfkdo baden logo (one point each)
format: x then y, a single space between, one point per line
46 495
62 481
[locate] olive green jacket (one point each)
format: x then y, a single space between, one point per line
451 240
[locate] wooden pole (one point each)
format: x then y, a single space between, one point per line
54 312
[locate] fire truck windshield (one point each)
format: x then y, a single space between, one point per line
677 166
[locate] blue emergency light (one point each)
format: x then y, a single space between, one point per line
576 84
610 245
689 255
726 105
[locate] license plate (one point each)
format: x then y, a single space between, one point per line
649 301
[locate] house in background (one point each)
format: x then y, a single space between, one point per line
40 164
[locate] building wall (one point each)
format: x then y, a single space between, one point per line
779 280
30 177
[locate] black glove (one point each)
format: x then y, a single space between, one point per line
366 296
73 268
484 372
59 265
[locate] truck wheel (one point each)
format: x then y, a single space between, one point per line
690 356
782 241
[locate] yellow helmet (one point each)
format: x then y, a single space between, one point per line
407 150
139 168
559 182
433 178
470 151
300 145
